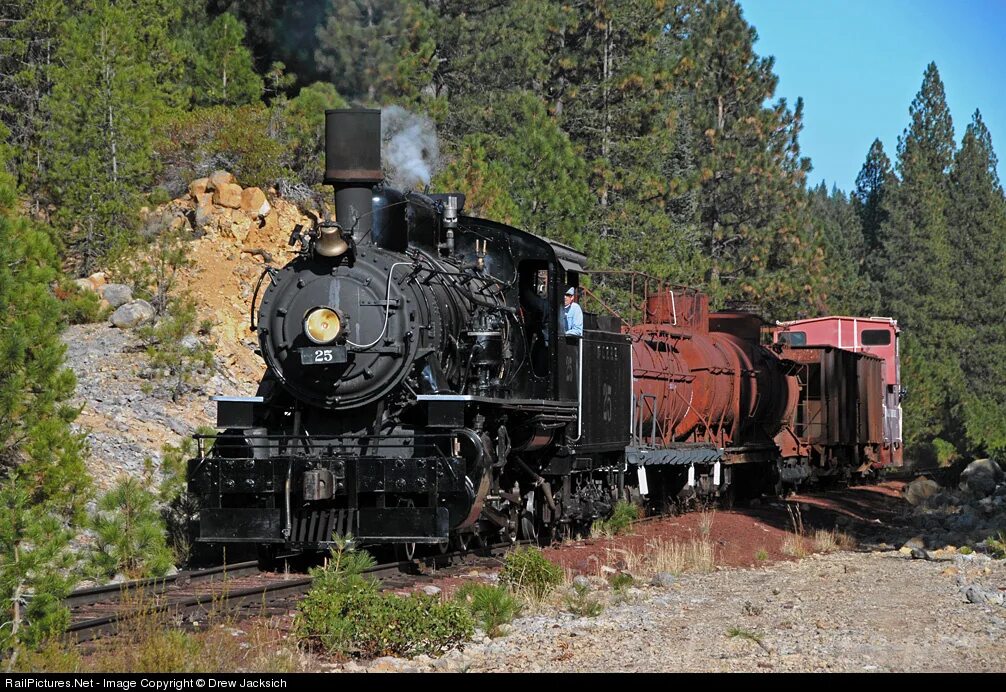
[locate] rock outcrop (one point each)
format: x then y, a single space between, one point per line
132 314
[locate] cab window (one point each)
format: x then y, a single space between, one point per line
876 337
793 338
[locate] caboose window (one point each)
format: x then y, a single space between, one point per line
793 338
876 337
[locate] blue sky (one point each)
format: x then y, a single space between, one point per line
858 65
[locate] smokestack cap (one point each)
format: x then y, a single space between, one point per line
353 147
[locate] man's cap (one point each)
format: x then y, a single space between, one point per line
571 291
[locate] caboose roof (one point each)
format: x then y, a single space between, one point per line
830 318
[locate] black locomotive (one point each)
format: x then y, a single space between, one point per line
420 387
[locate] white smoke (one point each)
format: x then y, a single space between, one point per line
410 150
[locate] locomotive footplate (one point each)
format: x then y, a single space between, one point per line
372 498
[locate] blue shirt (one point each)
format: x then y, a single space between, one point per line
574 319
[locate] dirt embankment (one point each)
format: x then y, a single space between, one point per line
127 416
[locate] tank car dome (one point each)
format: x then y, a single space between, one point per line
339 336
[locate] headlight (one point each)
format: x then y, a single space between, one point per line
322 325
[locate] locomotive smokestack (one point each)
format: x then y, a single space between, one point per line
353 167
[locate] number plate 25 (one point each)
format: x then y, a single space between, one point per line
323 355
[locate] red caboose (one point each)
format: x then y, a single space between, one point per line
829 351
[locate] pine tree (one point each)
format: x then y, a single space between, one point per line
27 56
222 70
278 31
978 225
875 179
43 481
917 285
848 289
757 236
524 169
130 533
115 81
376 50
614 93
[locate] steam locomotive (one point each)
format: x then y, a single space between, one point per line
420 387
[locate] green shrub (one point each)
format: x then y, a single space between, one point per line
582 603
491 606
622 517
621 581
174 353
946 452
158 196
129 532
996 545
53 656
236 139
177 505
344 614
528 573
303 129
78 306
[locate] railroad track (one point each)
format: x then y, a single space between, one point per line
200 595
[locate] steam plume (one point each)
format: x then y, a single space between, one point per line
409 148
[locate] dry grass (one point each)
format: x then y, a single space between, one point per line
795 545
799 543
154 642
257 648
706 518
833 540
673 556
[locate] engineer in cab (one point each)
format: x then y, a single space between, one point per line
572 314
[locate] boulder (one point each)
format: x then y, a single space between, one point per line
253 201
975 593
921 488
981 477
431 590
204 208
179 222
227 195
220 178
117 295
189 342
85 285
240 228
132 314
963 522
198 187
663 579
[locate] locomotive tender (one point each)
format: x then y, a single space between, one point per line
420 389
